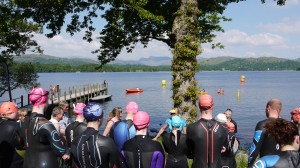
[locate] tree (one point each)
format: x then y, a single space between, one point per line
16 34
182 24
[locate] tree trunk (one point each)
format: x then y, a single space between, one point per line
187 47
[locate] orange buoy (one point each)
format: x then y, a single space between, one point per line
243 78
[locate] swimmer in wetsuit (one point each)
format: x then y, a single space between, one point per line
175 145
44 145
206 138
141 151
124 130
76 128
114 116
264 144
173 112
10 136
287 135
90 149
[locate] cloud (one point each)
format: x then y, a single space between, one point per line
237 37
288 27
65 46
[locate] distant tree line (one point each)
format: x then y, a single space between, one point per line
232 65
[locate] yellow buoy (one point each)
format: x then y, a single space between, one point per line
243 78
163 82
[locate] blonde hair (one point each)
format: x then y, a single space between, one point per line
116 112
63 104
22 113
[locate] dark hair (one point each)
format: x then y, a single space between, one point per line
282 130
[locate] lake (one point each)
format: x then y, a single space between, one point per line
248 109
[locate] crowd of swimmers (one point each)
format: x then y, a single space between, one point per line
210 141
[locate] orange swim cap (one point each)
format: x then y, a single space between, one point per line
230 126
206 102
8 108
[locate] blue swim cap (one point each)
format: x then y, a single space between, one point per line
92 112
176 122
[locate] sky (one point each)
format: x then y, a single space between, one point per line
256 30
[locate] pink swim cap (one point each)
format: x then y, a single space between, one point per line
79 108
141 120
132 107
38 96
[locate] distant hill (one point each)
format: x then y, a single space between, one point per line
47 59
217 63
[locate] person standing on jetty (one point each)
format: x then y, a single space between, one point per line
228 114
10 136
264 144
90 149
124 130
168 124
287 135
44 145
141 151
175 145
114 116
206 138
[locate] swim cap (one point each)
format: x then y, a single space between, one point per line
206 102
141 120
132 107
38 96
8 108
92 112
79 108
176 122
174 111
295 111
221 118
230 126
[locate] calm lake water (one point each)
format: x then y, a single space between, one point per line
248 109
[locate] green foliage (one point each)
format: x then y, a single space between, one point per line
21 76
15 31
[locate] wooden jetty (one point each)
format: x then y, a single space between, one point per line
86 93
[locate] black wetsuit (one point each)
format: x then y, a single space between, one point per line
205 140
72 131
91 149
44 144
9 140
177 154
262 143
142 152
286 159
228 157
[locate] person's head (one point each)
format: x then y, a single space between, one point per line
93 112
273 108
284 132
141 120
132 108
221 118
228 113
57 113
173 112
176 123
22 113
78 110
295 115
9 110
39 97
64 105
230 127
206 103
